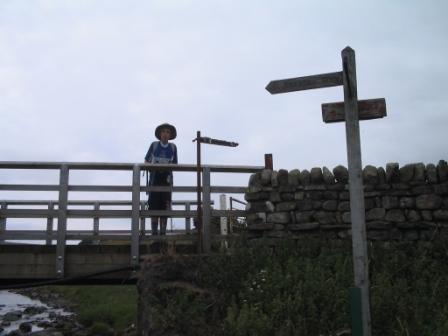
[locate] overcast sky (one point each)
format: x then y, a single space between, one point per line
90 80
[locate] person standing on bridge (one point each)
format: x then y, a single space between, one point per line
162 152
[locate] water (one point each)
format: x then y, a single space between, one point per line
11 302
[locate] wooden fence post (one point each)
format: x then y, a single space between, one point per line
206 211
49 224
135 241
62 220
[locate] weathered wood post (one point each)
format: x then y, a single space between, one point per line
96 219
223 219
62 220
206 211
4 206
350 111
135 239
142 219
187 219
49 224
357 207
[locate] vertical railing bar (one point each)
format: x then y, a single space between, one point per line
4 206
50 221
62 220
187 219
96 220
135 215
206 211
142 220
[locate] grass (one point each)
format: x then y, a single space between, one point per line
113 305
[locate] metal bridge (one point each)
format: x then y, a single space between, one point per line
103 256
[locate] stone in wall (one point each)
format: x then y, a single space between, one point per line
392 172
370 175
316 176
442 171
407 173
341 174
305 178
431 173
327 176
428 202
294 177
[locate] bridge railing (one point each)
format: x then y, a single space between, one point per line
136 213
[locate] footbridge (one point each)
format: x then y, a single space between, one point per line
51 248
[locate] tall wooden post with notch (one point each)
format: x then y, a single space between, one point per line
203 208
350 111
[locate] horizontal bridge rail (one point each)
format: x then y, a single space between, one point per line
63 208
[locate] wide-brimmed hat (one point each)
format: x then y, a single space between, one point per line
167 126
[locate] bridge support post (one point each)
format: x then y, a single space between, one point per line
62 220
206 211
96 220
49 224
135 239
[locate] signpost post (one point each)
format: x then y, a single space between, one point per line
350 111
203 232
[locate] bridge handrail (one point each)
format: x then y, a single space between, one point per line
127 166
137 211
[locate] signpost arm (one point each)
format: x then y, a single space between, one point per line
357 207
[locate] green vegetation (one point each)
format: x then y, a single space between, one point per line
303 290
295 289
101 306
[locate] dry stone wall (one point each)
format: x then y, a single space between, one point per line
402 203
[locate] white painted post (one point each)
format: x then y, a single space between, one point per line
62 220
357 207
223 220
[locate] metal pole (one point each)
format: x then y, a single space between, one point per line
357 207
199 208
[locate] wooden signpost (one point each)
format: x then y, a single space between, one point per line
351 111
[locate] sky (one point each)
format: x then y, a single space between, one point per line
88 81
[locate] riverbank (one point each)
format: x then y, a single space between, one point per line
98 310
21 315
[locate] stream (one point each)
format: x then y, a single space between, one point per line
30 315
